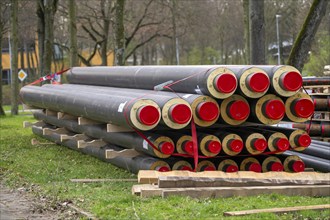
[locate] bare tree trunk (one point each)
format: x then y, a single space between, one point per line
120 33
174 39
2 112
246 31
306 36
257 32
41 36
50 7
14 57
73 34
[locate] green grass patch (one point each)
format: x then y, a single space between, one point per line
47 169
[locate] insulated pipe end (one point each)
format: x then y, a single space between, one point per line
207 111
255 167
304 140
166 148
291 81
186 168
274 109
303 108
260 144
276 166
231 169
213 147
282 144
236 145
225 83
239 110
180 113
188 147
298 166
163 169
148 115
258 82
209 168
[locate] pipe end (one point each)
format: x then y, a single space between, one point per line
276 166
258 82
231 169
260 144
225 83
180 113
304 108
255 167
304 140
207 111
239 110
282 144
213 147
291 81
298 166
148 115
166 148
275 109
236 145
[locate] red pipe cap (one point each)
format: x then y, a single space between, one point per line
255 167
148 115
258 82
303 108
291 81
260 144
275 109
163 169
298 166
226 83
166 148
231 169
188 147
239 110
282 144
304 140
186 168
180 113
207 111
209 168
236 145
213 147
276 166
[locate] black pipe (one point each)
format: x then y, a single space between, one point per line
314 81
123 139
132 164
316 151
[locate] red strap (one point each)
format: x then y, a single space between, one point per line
48 77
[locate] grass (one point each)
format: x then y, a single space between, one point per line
46 170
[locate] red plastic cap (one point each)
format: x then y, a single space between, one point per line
213 146
258 82
166 148
282 144
304 140
236 145
148 115
231 169
239 110
255 167
226 83
291 81
186 168
274 109
276 166
163 169
209 168
180 113
207 111
188 146
260 144
303 108
298 166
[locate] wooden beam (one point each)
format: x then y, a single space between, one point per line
110 154
136 189
116 128
217 192
49 131
277 210
93 143
50 113
74 137
86 121
66 116
27 124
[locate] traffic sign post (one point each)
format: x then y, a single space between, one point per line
22 75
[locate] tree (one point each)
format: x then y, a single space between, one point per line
303 42
2 112
73 34
119 33
14 57
257 32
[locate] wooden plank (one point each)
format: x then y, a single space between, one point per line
49 131
277 210
36 142
219 192
116 128
66 116
74 137
27 124
86 121
110 154
136 189
151 176
101 180
50 113
93 143
183 181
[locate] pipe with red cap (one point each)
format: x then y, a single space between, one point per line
235 110
205 165
122 110
132 164
228 166
299 139
299 107
131 140
179 164
270 163
216 81
268 110
249 164
297 161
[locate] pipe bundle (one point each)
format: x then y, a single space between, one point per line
177 117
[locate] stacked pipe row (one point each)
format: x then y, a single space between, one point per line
128 111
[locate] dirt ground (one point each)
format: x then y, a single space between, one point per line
18 204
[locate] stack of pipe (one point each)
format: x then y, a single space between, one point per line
130 115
